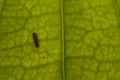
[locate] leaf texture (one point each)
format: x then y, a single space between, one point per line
79 40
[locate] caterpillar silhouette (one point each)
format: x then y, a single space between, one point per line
35 38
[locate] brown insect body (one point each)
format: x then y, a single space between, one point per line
35 38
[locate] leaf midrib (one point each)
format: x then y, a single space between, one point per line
62 39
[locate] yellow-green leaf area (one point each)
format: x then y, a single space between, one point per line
79 40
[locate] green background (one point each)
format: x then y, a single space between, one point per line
79 40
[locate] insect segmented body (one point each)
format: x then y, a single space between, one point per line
35 38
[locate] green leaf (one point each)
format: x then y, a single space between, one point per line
79 40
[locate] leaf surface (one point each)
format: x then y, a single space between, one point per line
79 39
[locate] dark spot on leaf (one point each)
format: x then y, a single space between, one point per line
35 38
43 57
